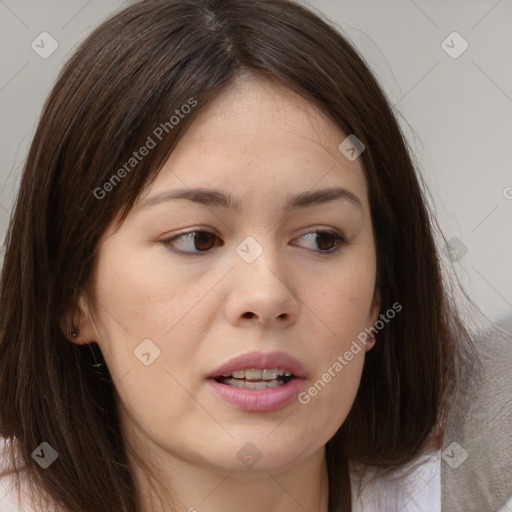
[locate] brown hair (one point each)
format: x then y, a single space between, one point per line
128 77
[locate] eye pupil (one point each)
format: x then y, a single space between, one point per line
321 236
202 237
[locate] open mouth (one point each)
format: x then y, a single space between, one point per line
258 390
256 378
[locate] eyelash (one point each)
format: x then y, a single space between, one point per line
168 242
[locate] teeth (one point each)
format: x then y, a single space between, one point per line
255 374
269 374
245 384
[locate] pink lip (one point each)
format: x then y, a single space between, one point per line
259 360
259 400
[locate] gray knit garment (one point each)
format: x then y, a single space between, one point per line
476 468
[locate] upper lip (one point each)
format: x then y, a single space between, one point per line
259 360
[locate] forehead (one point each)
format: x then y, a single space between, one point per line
259 139
258 115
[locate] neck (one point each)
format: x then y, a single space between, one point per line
198 487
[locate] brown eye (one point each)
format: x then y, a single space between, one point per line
192 242
326 241
204 240
197 242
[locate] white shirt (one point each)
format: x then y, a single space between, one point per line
419 491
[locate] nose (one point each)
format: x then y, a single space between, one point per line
262 292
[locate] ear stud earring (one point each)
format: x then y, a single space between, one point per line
74 331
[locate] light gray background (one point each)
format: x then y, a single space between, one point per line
456 112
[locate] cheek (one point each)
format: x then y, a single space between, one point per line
342 305
139 290
137 299
330 395
341 310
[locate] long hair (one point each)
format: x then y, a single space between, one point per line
128 77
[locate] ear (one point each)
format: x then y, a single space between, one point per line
373 316
78 318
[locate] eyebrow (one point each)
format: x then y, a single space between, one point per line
211 197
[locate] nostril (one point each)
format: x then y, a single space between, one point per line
248 315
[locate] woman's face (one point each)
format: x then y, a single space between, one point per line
258 279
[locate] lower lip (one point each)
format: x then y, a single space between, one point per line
259 400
